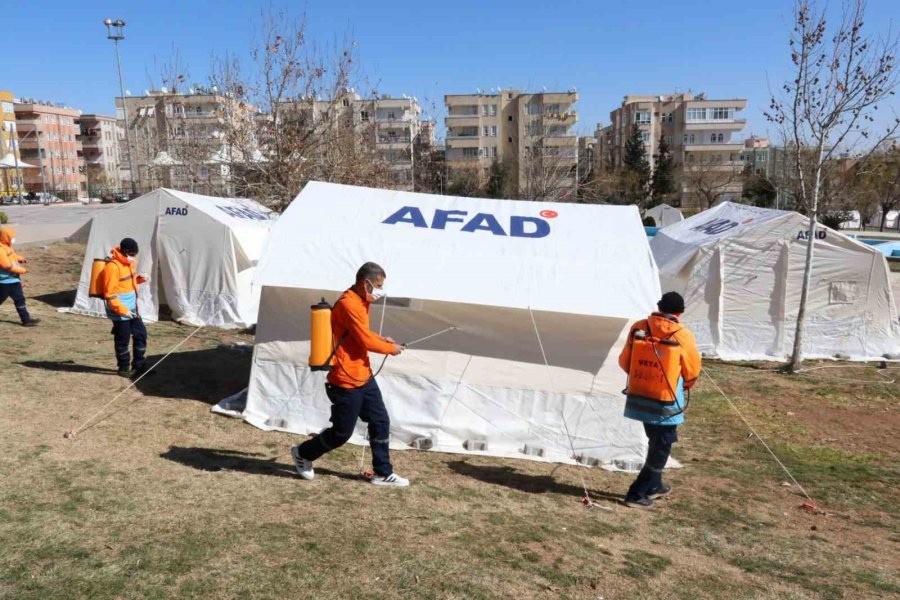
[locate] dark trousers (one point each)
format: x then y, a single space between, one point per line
661 438
125 331
14 291
347 405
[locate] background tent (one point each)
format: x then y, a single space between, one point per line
853 222
200 251
664 215
892 221
740 269
585 271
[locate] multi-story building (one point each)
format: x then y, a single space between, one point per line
699 132
530 134
10 179
178 141
48 138
101 139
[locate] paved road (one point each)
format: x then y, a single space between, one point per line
38 223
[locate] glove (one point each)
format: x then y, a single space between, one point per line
143 278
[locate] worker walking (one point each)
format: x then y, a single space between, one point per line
119 287
662 361
11 270
351 385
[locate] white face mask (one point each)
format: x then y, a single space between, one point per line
132 260
12 241
376 294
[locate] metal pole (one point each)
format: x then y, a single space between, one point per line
14 146
125 114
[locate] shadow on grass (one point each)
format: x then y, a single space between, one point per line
63 299
204 375
533 484
221 459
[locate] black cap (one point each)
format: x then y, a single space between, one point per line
128 246
671 303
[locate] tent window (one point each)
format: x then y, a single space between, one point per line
843 292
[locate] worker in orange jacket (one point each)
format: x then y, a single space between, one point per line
11 271
119 285
351 386
656 388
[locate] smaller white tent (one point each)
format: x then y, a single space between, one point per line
200 252
740 269
481 266
891 222
664 215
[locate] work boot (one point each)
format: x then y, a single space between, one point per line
659 492
638 502
31 323
125 372
141 370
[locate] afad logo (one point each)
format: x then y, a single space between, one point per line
174 210
518 226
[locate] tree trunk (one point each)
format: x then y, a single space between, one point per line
797 354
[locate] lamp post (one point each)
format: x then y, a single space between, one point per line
115 32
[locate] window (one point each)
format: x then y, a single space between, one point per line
645 137
470 152
8 107
509 95
485 131
493 151
510 139
493 131
392 115
533 108
733 157
723 114
364 116
493 110
668 139
345 102
509 118
642 117
690 158
484 110
696 114
552 109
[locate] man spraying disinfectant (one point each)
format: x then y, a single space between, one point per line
11 270
118 285
662 361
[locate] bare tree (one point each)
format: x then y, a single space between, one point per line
711 177
547 170
309 124
881 182
840 77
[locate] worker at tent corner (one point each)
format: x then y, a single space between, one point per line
351 385
11 270
119 286
662 361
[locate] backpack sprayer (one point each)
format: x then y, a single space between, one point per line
655 364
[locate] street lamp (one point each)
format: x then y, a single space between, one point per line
115 32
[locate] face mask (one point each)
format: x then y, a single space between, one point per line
132 260
12 241
376 294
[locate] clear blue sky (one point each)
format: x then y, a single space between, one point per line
426 49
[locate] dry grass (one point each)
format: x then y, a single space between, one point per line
163 499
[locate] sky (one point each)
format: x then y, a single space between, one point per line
603 49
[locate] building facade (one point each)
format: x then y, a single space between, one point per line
101 140
49 139
700 132
11 183
529 134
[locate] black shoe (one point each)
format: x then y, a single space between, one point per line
659 492
126 372
638 502
31 323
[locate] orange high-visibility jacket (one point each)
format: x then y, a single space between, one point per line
663 327
9 260
350 328
118 284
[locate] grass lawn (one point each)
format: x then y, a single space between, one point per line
162 499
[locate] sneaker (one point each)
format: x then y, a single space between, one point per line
638 502
31 323
304 466
392 480
126 372
659 492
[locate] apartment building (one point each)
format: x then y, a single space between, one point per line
530 134
177 139
10 179
702 134
48 138
101 140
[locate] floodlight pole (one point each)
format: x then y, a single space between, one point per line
115 32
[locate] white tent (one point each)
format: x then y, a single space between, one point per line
664 215
200 251
740 269
853 222
484 266
891 222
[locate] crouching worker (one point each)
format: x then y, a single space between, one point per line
662 361
351 385
11 270
119 285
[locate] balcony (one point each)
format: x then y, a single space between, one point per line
566 118
560 140
466 141
718 147
709 124
385 143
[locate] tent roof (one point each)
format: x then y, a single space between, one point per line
221 209
571 258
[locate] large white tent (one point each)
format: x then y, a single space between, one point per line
664 215
200 252
485 267
740 269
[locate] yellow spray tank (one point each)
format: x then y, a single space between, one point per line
321 342
97 266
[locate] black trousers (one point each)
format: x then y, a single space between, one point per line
125 331
14 291
660 439
347 405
